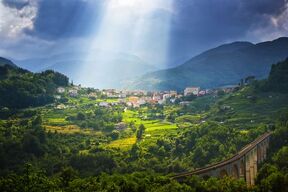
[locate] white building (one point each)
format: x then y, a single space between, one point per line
104 104
156 97
201 93
60 90
57 96
166 97
73 93
191 90
92 95
183 103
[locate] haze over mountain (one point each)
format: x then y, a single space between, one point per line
104 70
220 66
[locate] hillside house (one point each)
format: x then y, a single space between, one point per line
184 103
191 90
60 90
157 97
73 93
202 93
229 88
60 107
57 97
92 95
166 97
104 104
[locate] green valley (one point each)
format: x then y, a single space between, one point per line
84 139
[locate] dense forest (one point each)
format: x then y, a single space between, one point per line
43 148
20 88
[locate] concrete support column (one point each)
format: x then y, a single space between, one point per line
247 170
255 164
262 153
259 153
242 169
252 171
265 151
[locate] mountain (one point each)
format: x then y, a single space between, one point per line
102 70
4 61
220 66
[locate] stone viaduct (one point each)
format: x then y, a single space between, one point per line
242 165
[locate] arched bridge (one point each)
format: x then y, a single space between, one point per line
242 165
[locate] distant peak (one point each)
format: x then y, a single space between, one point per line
236 44
281 39
4 61
229 47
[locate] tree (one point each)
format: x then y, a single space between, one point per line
67 175
32 145
81 116
115 134
37 121
140 132
281 158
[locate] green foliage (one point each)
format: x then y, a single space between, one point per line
281 158
89 165
20 88
278 78
271 179
81 116
140 132
115 134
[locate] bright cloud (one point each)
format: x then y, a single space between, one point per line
15 19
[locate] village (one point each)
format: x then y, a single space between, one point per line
138 98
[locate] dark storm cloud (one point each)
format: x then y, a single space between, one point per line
200 24
16 4
58 19
271 7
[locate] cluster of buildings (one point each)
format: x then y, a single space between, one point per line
136 98
72 92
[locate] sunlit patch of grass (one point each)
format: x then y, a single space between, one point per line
160 126
107 100
244 132
71 129
123 144
57 121
155 129
84 152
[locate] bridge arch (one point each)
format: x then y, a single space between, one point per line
235 171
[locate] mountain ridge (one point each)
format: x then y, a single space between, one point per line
223 65
4 61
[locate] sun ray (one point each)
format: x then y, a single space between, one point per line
136 27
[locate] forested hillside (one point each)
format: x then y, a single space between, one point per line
4 61
20 88
278 78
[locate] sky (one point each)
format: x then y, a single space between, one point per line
162 33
